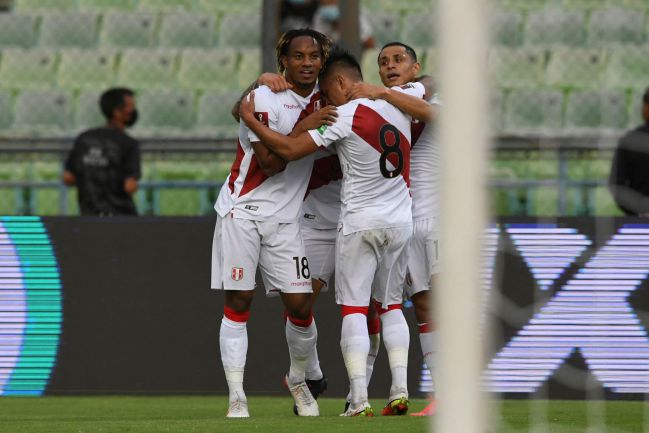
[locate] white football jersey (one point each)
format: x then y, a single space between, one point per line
373 143
247 191
321 207
425 168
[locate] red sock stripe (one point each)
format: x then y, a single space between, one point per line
374 326
236 317
303 323
381 310
424 328
348 309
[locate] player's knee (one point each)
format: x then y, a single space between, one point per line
238 301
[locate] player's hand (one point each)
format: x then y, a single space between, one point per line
365 90
276 83
247 108
324 116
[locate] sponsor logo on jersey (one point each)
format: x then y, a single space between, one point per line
292 106
237 274
322 129
251 207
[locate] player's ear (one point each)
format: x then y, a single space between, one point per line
416 67
284 61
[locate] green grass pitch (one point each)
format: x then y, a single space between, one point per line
273 414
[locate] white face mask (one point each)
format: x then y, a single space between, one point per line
329 13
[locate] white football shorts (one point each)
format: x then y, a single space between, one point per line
371 264
320 247
423 261
240 245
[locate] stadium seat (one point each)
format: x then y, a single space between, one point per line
42 111
639 5
55 5
147 69
165 111
87 113
524 4
370 66
616 25
214 114
496 109
517 67
128 29
430 65
221 6
602 202
187 30
24 69
178 201
106 5
533 111
86 69
506 27
208 69
5 109
555 26
165 5
385 26
635 109
9 200
592 110
17 30
576 67
249 67
417 29
584 4
240 30
627 67
542 201
68 30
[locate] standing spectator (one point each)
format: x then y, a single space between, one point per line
327 20
629 180
296 14
104 162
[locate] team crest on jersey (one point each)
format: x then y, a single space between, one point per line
262 116
237 274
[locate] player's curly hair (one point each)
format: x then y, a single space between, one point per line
285 41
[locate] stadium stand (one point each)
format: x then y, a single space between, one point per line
28 69
128 29
187 30
43 111
68 30
17 30
208 69
86 69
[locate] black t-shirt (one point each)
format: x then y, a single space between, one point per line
629 178
101 160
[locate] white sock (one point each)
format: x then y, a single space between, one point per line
396 337
355 345
428 341
301 342
233 340
375 345
313 371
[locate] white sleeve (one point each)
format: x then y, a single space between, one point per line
265 110
325 136
415 89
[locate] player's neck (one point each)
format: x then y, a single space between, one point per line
302 89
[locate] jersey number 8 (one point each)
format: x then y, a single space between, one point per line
388 149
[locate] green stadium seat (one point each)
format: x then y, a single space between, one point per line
221 6
5 110
87 113
417 29
627 67
86 69
165 111
214 114
370 66
496 109
68 30
506 27
592 110
640 5
616 25
240 30
46 201
517 67
542 201
555 26
576 67
165 5
533 111
524 4
178 201
54 5
42 111
17 30
385 26
249 67
147 69
106 5
602 203
635 110
21 69
208 69
431 63
10 200
187 30
128 29
584 4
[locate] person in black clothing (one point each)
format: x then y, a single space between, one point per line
104 162
629 181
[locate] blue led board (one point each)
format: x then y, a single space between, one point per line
30 306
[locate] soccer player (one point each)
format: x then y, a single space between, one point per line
373 143
257 211
398 66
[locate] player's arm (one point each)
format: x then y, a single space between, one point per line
276 82
69 178
324 116
269 162
418 108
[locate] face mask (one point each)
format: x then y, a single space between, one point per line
297 2
132 120
330 13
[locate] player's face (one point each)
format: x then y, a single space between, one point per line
334 89
396 67
303 62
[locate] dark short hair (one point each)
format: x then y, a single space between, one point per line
411 51
341 59
645 98
285 40
113 99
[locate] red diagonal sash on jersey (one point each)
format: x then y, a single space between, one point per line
416 128
367 124
325 170
236 166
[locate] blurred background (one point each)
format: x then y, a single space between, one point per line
567 82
